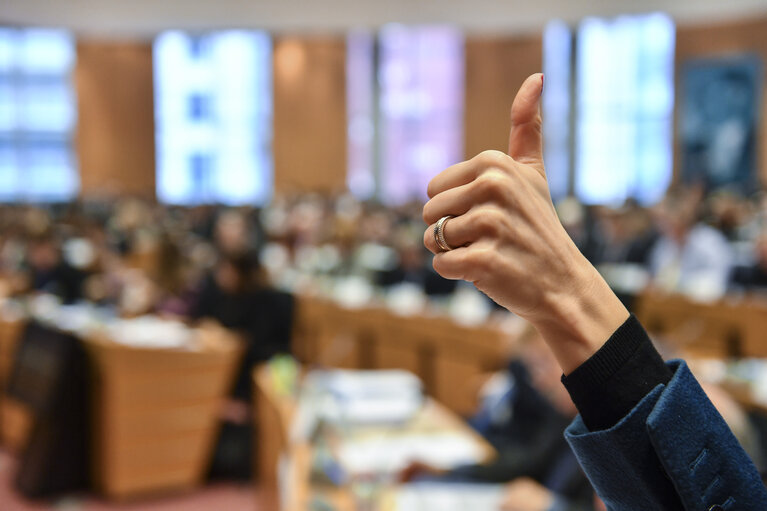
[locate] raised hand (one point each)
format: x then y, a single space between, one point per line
505 237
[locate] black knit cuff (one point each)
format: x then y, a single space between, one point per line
609 385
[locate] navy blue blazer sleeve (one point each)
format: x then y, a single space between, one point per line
672 451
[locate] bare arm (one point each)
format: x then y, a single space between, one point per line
508 240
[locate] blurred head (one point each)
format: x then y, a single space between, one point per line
44 253
677 213
760 250
171 266
235 274
232 233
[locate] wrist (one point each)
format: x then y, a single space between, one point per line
579 318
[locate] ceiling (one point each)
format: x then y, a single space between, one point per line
144 18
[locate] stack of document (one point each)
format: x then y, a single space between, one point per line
364 397
449 497
151 332
390 454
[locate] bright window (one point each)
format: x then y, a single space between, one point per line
213 117
360 109
624 107
38 116
421 107
557 67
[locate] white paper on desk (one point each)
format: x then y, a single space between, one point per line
151 332
449 497
285 480
391 453
365 397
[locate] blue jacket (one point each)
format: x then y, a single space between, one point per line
672 451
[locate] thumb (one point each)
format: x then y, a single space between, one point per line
526 138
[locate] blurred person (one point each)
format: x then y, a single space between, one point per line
128 217
627 235
174 279
689 257
578 222
646 434
49 272
641 232
236 296
753 277
727 212
524 418
232 233
412 266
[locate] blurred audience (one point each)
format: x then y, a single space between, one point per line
148 257
523 415
242 266
753 276
689 257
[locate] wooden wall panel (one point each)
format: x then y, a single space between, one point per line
309 114
712 40
495 69
115 139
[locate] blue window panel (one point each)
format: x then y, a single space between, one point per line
557 57
47 106
9 177
8 49
421 107
38 116
360 108
624 141
213 97
201 167
198 107
8 105
46 52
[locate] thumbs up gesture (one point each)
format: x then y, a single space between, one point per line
492 222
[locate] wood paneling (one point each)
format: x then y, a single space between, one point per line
115 138
495 69
309 114
720 39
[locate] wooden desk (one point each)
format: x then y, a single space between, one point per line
275 412
15 418
156 412
725 329
442 353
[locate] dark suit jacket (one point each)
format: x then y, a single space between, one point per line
672 451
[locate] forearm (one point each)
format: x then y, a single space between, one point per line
577 319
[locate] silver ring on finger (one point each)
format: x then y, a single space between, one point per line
439 233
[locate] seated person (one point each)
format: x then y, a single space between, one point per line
49 272
237 298
412 266
525 422
689 257
753 277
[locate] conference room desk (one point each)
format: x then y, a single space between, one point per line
716 338
156 411
153 411
288 465
15 419
732 327
448 357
